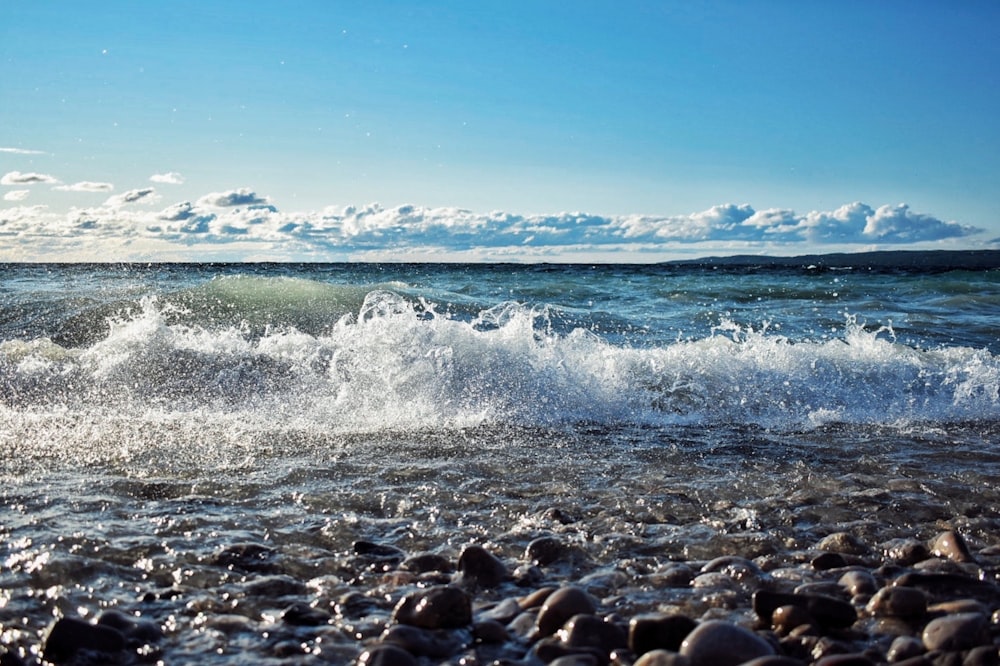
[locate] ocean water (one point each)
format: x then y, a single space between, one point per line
152 417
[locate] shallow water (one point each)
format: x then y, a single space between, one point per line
155 419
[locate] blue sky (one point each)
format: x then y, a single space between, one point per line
489 130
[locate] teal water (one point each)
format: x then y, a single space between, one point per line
151 416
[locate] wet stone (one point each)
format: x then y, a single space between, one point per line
378 551
786 618
135 630
560 606
827 561
590 631
719 643
961 631
479 567
951 545
898 601
843 543
439 607
425 562
858 582
247 557
544 550
827 611
437 644
658 632
904 647
906 552
304 615
71 635
662 658
386 655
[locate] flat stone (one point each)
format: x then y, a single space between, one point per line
956 632
719 643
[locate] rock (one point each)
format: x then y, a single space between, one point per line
490 631
906 552
436 644
843 543
858 582
576 660
984 655
827 611
647 633
136 631
477 567
425 562
662 658
951 545
904 647
379 551
590 631
719 643
827 561
950 585
276 586
898 601
544 550
560 606
386 655
845 660
70 635
786 618
440 607
304 615
247 557
772 660
956 632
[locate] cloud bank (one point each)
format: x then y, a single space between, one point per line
240 224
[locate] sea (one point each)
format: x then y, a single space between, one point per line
153 417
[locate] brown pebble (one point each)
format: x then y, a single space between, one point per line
441 607
478 567
719 643
898 601
590 631
70 635
906 552
827 611
956 632
576 660
536 598
984 655
560 606
958 606
786 618
386 655
647 633
951 545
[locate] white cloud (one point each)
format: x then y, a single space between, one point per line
22 151
16 195
18 178
145 195
85 186
241 197
169 178
242 221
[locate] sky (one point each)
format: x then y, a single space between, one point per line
495 130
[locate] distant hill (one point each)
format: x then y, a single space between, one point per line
921 260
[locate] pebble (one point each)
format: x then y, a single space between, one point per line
951 545
858 581
386 655
956 632
560 606
898 601
71 635
843 543
440 607
647 633
544 550
826 610
720 643
662 658
591 631
477 567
